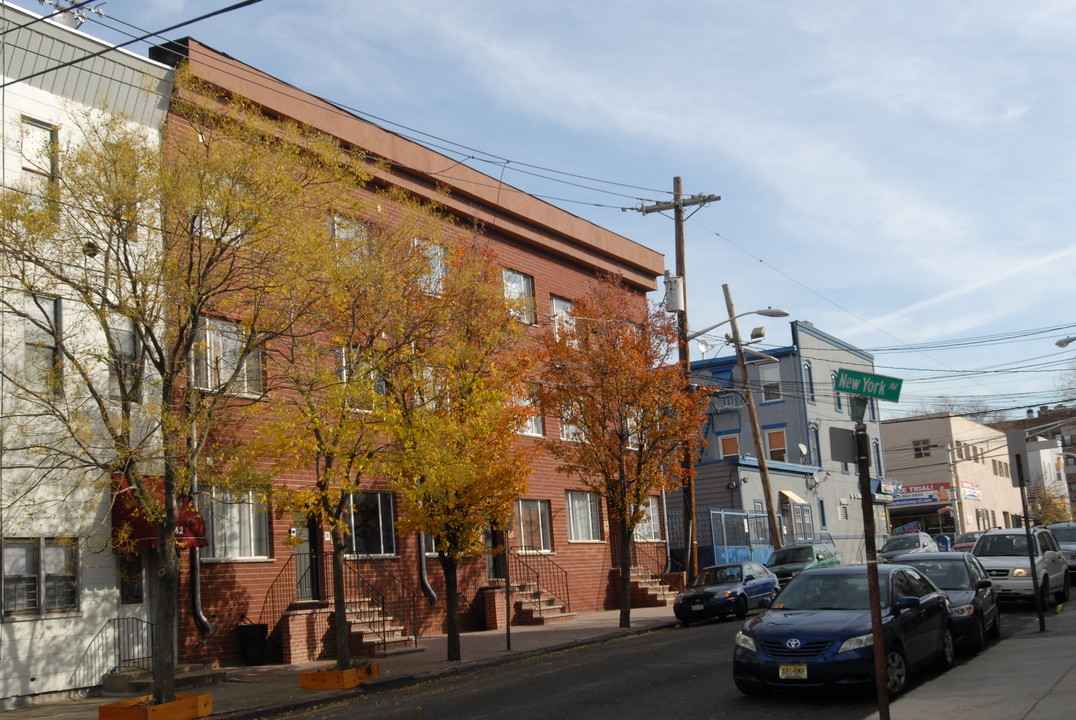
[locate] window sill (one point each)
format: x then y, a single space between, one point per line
586 542
237 560
30 617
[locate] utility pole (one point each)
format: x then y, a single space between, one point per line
687 462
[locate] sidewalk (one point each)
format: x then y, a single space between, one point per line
262 691
1029 676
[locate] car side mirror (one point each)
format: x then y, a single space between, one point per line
983 584
819 556
764 602
907 603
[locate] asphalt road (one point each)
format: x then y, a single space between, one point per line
681 672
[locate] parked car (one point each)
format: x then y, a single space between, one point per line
722 590
913 542
788 561
972 595
1004 555
817 633
966 541
1065 533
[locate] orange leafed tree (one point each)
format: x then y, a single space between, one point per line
611 378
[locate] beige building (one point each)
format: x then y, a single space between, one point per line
953 473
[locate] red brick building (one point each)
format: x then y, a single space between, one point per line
254 571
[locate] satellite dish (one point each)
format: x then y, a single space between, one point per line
803 449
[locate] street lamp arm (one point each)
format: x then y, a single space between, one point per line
766 312
1064 342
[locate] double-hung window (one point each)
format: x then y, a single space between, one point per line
837 403
125 366
40 156
562 314
237 526
649 527
775 442
43 331
361 384
730 445
584 518
40 575
519 290
770 378
433 280
371 524
224 361
534 533
533 425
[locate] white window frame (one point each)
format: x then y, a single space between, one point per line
433 281
783 449
528 511
352 371
39 148
43 331
40 576
126 363
584 516
216 363
534 425
649 528
381 520
769 377
237 526
519 288
561 312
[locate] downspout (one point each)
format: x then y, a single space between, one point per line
203 623
427 590
665 521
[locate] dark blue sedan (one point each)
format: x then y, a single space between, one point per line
971 593
722 590
817 633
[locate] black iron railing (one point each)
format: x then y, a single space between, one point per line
529 567
381 600
120 643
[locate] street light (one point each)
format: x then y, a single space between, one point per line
690 536
1064 342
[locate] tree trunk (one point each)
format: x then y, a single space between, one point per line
626 538
452 606
164 619
341 629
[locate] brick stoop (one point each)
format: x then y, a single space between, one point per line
651 591
372 634
533 607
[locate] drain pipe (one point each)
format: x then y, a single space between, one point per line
203 623
427 590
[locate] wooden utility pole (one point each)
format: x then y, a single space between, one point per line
691 541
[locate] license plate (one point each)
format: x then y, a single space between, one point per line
793 672
697 608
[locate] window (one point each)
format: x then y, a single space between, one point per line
876 448
534 532
730 446
822 513
129 570
361 384
40 155
519 289
44 329
808 381
125 367
584 520
31 564
770 378
843 512
371 524
775 442
815 438
649 528
562 314
921 448
570 431
237 526
836 393
533 425
223 360
344 228
959 450
433 280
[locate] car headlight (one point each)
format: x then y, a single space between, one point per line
1020 572
725 594
857 642
680 598
745 641
960 611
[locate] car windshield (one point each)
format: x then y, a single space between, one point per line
786 556
969 537
826 592
1001 546
946 574
1064 534
901 542
718 575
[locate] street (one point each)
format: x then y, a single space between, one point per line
676 672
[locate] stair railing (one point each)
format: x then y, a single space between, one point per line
535 568
367 579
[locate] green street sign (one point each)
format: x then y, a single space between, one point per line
860 383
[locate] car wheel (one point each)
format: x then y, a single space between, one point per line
978 637
994 631
750 689
741 607
947 652
685 622
1063 595
896 672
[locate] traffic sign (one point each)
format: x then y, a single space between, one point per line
861 383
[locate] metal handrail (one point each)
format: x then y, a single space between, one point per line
646 557
540 570
121 642
395 601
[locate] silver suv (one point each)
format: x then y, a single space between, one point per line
1004 555
1065 532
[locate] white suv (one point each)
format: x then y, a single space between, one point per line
1004 555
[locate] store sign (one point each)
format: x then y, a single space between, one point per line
925 494
971 491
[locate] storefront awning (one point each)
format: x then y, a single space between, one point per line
129 520
794 498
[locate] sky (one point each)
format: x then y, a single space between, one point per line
899 174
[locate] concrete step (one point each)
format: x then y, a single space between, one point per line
135 681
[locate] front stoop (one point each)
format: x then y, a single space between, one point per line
650 591
533 607
372 634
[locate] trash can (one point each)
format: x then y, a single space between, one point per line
252 637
